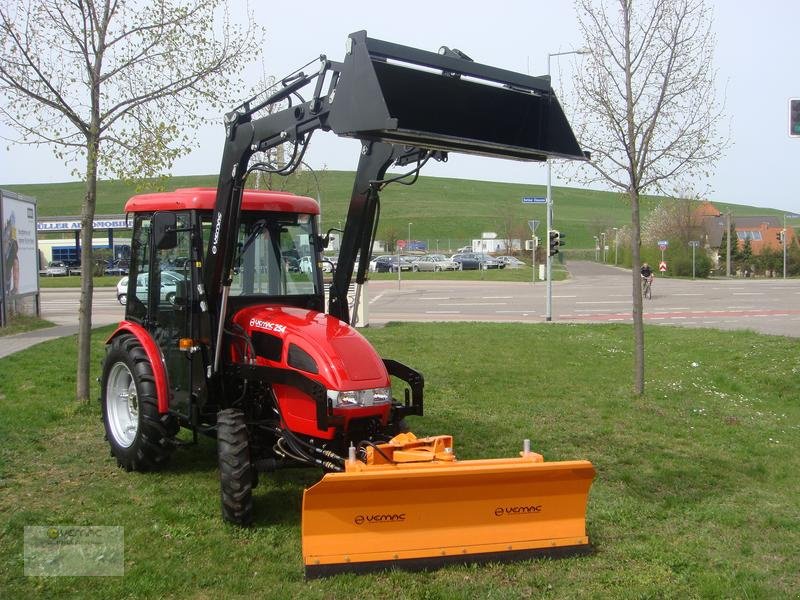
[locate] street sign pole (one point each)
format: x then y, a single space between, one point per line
548 312
533 224
693 244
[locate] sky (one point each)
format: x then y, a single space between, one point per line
754 59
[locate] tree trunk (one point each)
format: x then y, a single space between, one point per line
87 272
638 322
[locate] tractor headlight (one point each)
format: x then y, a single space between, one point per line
360 398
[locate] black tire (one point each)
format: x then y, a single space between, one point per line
141 439
235 470
171 298
400 426
122 299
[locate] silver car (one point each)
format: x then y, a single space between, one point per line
434 262
56 269
511 262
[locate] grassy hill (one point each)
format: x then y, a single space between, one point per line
452 211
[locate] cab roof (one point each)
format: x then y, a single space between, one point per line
205 198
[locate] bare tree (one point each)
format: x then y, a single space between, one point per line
673 218
114 86
648 107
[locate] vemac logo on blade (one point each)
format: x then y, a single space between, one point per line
380 518
510 511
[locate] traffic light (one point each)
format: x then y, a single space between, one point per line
794 117
779 236
555 241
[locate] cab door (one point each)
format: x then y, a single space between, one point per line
171 284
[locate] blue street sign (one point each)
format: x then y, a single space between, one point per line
534 200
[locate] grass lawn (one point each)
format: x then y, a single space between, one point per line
696 492
23 323
522 274
74 281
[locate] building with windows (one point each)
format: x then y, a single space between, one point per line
764 232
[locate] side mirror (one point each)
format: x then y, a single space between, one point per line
165 235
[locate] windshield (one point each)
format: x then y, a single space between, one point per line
275 255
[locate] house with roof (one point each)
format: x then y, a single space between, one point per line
764 232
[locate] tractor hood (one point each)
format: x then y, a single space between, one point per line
319 346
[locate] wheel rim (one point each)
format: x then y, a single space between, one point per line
122 404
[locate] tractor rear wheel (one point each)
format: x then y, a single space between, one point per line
235 469
141 439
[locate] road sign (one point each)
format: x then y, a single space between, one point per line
533 224
663 244
534 200
662 266
694 244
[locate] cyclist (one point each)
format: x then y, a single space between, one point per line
647 278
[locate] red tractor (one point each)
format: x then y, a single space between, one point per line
226 331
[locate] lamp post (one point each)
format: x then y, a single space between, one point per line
783 239
548 314
596 249
616 245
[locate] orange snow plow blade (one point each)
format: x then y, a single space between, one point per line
414 506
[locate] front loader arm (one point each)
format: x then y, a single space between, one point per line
244 137
400 102
359 230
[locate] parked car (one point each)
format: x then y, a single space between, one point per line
74 267
388 264
511 262
56 269
329 264
169 286
117 267
486 261
466 262
434 262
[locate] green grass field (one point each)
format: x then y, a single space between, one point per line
447 213
696 494
22 323
74 281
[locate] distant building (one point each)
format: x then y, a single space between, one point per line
762 231
491 243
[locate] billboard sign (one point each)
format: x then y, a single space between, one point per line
19 254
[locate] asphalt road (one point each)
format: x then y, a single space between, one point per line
596 293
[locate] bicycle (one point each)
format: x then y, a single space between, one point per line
647 287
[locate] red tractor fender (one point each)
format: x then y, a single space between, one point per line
155 357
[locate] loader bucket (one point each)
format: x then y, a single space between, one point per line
402 95
420 515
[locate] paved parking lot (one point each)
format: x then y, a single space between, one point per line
596 293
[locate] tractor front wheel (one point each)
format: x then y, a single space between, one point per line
141 438
235 469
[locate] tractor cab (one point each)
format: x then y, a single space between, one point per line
276 262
